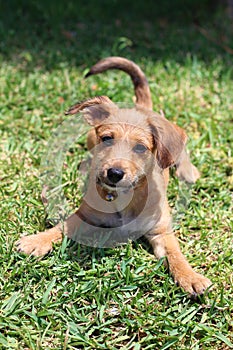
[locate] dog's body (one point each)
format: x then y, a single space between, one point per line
132 152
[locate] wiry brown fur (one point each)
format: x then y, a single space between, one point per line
144 183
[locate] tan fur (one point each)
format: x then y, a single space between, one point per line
142 90
141 203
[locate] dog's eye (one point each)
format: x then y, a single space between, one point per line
139 148
107 140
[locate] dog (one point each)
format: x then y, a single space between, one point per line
133 149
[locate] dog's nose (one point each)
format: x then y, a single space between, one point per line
115 175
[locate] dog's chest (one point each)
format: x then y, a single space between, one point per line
116 219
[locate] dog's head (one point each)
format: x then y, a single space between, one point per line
129 143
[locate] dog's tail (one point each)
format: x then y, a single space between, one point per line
141 86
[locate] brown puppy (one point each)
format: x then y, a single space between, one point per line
132 152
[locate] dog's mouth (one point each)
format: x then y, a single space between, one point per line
123 186
108 185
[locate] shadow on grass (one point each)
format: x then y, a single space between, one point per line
44 34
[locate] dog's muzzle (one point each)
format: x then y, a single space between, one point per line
116 180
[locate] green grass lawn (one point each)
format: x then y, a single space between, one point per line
84 298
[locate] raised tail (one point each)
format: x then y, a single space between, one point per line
141 86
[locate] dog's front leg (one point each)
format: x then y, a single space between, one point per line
166 245
42 242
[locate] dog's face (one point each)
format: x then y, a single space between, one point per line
129 143
123 154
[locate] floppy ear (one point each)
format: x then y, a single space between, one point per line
169 139
94 110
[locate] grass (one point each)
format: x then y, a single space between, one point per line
84 298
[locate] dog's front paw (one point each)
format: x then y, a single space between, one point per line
36 245
187 172
193 282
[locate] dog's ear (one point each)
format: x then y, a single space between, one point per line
94 110
169 139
